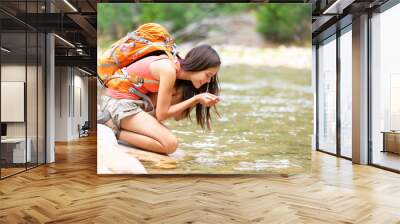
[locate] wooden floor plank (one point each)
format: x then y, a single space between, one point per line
70 191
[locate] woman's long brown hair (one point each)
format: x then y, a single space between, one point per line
197 59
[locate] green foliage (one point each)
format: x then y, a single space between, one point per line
283 23
176 16
173 15
232 8
277 22
114 21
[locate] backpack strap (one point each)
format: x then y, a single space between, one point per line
142 96
133 35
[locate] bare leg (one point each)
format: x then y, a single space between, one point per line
147 133
141 141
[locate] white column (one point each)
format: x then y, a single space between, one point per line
50 99
50 92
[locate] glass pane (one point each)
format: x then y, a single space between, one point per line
41 99
346 94
31 85
13 86
327 96
386 89
31 100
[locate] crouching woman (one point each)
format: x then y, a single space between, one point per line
194 84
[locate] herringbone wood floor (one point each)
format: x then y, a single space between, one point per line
69 191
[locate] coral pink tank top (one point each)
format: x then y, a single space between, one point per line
140 68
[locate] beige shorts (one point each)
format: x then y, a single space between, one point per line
118 109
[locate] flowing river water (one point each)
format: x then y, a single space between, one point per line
265 125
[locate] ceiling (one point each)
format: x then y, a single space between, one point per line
326 14
74 22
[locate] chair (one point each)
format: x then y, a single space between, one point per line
84 130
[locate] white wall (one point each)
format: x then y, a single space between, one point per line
61 103
33 127
80 94
12 73
15 73
71 93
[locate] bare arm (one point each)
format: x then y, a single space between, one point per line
176 98
164 109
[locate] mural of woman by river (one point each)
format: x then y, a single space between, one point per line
230 91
